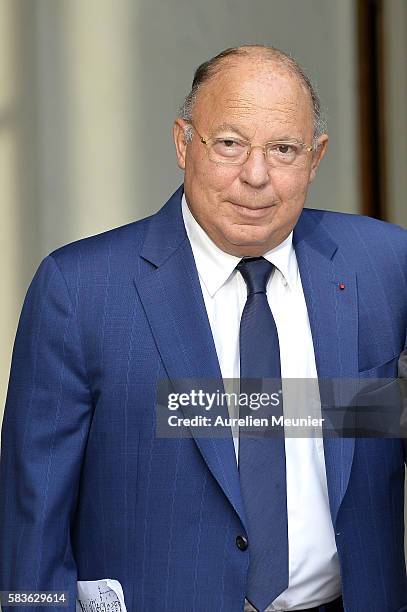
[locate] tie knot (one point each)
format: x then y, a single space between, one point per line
256 272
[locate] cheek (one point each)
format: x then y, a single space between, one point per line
291 188
207 177
218 178
206 183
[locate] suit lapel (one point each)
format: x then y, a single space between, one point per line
171 295
331 297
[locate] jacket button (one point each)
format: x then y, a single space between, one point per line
241 542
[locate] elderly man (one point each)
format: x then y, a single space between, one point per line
232 277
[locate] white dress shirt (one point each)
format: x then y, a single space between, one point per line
313 559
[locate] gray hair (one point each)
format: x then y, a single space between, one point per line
211 67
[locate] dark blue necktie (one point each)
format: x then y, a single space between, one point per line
262 457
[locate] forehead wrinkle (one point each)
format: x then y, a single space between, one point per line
273 120
273 116
286 105
241 108
282 115
245 105
237 109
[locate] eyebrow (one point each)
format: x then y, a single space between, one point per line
228 127
234 128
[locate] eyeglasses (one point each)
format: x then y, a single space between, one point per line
236 151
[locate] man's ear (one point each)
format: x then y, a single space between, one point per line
319 152
180 142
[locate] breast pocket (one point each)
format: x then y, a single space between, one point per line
384 369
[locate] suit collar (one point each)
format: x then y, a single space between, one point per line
165 231
309 231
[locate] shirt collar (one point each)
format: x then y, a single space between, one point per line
216 266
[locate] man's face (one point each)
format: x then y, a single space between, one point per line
251 208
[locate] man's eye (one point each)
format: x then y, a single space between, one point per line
228 147
285 148
284 151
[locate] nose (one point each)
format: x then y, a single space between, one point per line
255 171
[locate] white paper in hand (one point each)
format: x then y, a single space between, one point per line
100 596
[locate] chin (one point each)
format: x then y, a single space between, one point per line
251 239
241 248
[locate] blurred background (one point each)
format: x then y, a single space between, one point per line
89 90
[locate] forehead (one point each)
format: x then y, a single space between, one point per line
255 97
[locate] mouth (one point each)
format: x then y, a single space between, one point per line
252 212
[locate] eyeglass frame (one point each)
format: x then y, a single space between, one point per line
208 141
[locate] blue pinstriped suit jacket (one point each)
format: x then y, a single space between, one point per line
89 492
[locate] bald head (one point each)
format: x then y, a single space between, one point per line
265 58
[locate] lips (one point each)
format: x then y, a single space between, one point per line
251 212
